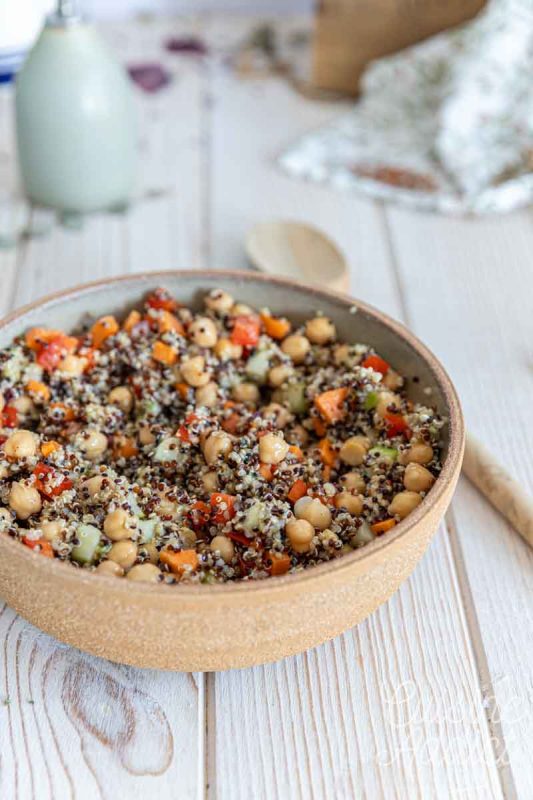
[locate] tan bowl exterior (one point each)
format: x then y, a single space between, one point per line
232 625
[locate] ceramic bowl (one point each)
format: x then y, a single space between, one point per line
231 625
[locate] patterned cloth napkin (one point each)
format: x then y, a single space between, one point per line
445 125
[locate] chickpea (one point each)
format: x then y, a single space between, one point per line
21 444
418 453
226 350
320 330
194 371
351 502
353 481
272 448
52 529
417 478
207 395
24 405
217 444
246 393
241 310
110 568
123 553
392 380
210 481
314 511
145 434
167 507
296 347
281 415
144 573
118 525
219 300
73 366
203 332
122 397
403 503
188 538
224 546
94 485
386 399
151 552
93 443
300 533
24 500
354 450
278 375
341 354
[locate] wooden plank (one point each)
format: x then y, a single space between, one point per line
92 728
392 708
466 285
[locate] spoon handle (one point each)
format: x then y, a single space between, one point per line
500 489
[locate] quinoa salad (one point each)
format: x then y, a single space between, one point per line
224 444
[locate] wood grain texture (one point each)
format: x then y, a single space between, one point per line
466 285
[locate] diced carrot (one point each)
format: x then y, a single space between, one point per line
276 327
246 331
265 470
164 353
103 328
125 447
199 514
281 563
330 404
319 427
383 526
377 364
47 448
166 321
297 490
296 452
131 321
45 547
183 390
40 389
67 412
326 472
37 338
327 453
221 515
181 561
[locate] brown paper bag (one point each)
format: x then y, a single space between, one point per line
350 33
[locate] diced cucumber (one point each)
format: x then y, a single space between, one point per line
294 396
169 450
89 538
382 451
371 401
258 365
255 517
148 528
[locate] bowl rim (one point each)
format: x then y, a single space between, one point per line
271 584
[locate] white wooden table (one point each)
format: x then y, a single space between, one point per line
432 697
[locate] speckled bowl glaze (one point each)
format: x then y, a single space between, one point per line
231 625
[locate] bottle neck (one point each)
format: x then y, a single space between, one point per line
65 14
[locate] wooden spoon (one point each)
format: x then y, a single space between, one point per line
299 251
296 250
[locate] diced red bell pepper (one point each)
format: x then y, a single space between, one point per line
45 547
46 487
160 298
9 417
223 507
240 538
396 425
52 353
377 364
199 515
246 331
297 490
